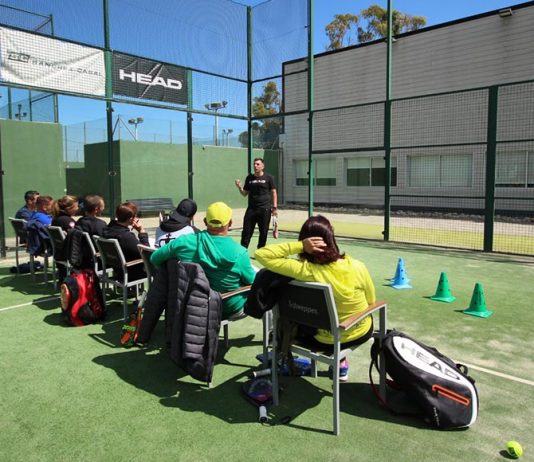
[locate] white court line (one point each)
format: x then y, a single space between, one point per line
35 302
500 374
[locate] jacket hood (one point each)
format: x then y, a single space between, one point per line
211 255
174 223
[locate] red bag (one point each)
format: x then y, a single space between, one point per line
81 298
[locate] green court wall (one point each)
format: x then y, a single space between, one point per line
159 170
32 158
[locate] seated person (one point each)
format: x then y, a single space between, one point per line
119 228
43 208
63 210
38 240
225 262
26 211
178 223
92 209
321 261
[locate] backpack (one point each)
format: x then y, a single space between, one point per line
439 388
81 298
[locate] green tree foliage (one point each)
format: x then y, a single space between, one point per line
339 29
265 132
371 25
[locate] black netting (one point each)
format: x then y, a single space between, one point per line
209 35
279 34
73 20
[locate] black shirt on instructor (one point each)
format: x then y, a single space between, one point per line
262 203
259 190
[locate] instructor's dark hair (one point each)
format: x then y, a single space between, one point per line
319 226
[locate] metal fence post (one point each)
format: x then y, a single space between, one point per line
491 153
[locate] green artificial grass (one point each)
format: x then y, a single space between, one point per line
474 240
74 394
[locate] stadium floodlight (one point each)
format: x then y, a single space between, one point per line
505 12
215 106
135 121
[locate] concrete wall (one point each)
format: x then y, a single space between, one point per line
32 158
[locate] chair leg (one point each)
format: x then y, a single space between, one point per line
226 340
32 267
335 396
46 269
274 370
54 269
17 252
125 302
266 324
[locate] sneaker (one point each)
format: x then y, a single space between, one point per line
344 371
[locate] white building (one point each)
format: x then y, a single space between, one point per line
439 139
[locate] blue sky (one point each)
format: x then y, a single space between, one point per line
74 110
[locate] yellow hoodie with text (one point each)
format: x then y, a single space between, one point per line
350 280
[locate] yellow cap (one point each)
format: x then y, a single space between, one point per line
218 215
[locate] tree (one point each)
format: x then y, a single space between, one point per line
265 132
376 24
339 28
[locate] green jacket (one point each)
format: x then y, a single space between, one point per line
226 263
351 283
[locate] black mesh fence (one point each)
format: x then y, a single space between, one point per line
444 148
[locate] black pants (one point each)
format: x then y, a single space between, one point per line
261 217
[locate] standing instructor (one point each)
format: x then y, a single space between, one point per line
262 203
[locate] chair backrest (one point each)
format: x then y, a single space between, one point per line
57 235
146 252
57 239
90 245
19 226
309 303
110 253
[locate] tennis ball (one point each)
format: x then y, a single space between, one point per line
514 449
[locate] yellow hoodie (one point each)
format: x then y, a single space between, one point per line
351 283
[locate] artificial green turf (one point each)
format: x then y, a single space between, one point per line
474 240
73 394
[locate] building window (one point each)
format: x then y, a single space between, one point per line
440 171
325 172
370 171
514 170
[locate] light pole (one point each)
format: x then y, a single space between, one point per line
19 115
226 133
135 122
215 106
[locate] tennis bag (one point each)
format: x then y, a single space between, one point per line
440 388
81 298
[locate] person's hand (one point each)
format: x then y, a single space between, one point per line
274 211
137 225
313 245
238 184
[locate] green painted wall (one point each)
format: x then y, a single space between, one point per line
153 170
32 158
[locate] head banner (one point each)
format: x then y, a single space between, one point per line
146 79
